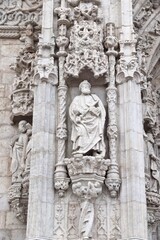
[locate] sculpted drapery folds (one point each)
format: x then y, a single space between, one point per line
18 153
87 114
154 165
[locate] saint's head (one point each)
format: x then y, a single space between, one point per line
85 87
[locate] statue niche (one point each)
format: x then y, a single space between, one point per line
87 114
18 153
20 168
87 168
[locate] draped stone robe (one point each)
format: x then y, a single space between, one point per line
87 114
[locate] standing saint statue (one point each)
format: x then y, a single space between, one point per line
18 153
87 114
154 165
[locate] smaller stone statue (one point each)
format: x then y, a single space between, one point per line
154 165
18 152
29 38
28 150
87 114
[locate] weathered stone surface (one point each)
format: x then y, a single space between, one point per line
94 198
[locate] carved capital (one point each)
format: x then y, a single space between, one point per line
128 70
46 72
87 164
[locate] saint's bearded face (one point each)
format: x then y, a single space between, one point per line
85 89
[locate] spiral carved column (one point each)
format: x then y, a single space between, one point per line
61 180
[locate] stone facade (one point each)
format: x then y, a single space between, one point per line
79 120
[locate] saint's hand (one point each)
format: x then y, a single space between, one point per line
95 110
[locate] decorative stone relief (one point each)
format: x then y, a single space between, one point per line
13 13
149 105
22 96
156 28
72 215
85 49
20 168
144 46
59 231
115 232
152 162
144 14
153 219
101 226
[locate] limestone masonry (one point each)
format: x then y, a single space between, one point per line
79 119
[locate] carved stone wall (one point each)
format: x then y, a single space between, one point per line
73 194
10 226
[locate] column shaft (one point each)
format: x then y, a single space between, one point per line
132 196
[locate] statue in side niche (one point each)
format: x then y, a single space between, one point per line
18 153
154 165
28 150
29 38
87 114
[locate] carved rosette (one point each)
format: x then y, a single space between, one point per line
87 175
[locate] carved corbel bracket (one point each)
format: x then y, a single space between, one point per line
61 179
46 70
113 181
87 175
18 204
22 102
86 171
